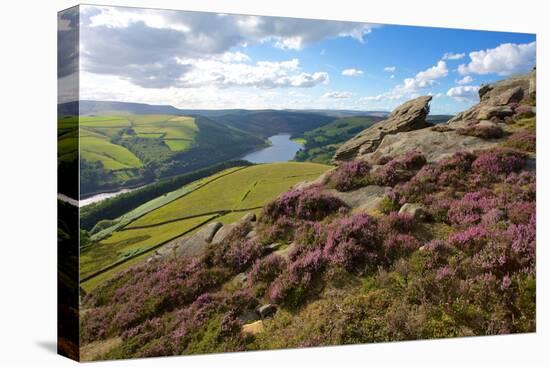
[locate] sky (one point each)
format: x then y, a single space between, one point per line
215 61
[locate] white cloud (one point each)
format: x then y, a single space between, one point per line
437 95
234 57
453 56
352 72
411 87
464 93
389 69
506 59
337 95
466 80
144 46
392 76
262 74
378 97
422 79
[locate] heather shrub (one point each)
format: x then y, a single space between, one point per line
389 174
470 239
281 229
471 207
520 212
350 175
310 234
412 160
242 254
267 268
388 205
353 242
296 283
482 131
399 169
523 140
498 161
399 245
397 223
154 289
308 204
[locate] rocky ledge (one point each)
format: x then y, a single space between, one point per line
479 127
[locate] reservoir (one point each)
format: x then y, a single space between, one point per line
282 149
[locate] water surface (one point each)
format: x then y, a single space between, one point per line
282 149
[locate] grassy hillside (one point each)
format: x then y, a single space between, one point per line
461 265
223 197
321 143
126 149
270 122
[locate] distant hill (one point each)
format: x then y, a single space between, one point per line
270 122
438 119
321 143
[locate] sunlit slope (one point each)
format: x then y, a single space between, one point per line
223 197
248 188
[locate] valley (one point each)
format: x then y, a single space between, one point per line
225 197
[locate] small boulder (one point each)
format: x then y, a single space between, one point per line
253 328
272 247
239 280
267 310
285 251
248 217
249 316
416 210
500 112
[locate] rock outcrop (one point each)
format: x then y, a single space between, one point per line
406 129
365 198
190 245
500 101
409 116
226 230
418 211
433 144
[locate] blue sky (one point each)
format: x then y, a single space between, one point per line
206 60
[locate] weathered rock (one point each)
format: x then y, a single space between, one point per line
251 234
365 198
487 112
226 230
499 100
192 245
253 328
239 280
433 144
249 316
272 247
285 251
267 310
319 181
407 117
418 211
248 217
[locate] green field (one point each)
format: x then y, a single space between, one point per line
249 188
223 197
113 157
151 205
127 242
99 132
